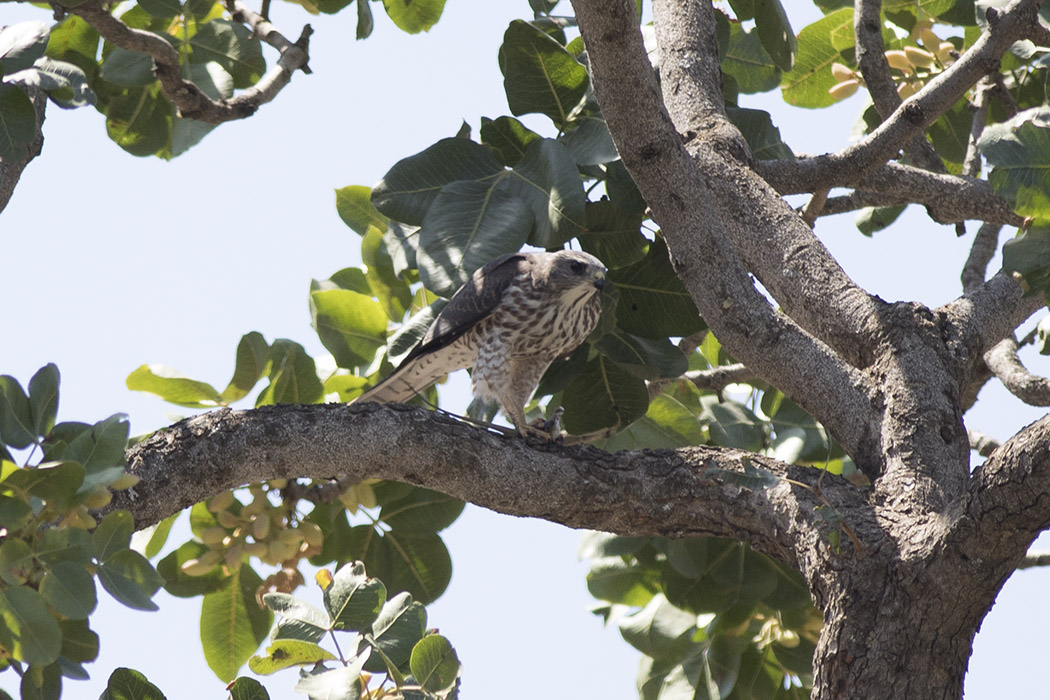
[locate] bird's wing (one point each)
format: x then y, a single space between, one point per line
437 354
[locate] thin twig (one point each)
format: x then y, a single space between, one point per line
1018 380
814 206
985 243
1034 559
972 160
982 444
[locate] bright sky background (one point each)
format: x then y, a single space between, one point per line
112 261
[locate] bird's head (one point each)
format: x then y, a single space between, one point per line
575 274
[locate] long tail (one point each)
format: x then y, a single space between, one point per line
414 376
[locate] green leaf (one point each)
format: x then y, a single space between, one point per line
643 357
667 424
434 664
351 326
102 446
129 684
253 360
418 564
43 399
16 561
139 120
393 293
285 653
16 415
872 219
149 541
589 142
659 630
774 28
950 134
293 376
507 138
64 83
819 45
365 21
130 579
401 242
355 208
421 512
233 47
616 581
469 224
161 9
353 600
548 181
15 513
761 135
747 61
412 331
70 590
28 631
401 623
752 477
113 534
603 396
414 16
75 41
1019 150
127 68
65 544
299 620
409 188
245 688
653 303
613 235
55 483
79 643
21 44
1029 254
732 425
594 545
539 74
233 624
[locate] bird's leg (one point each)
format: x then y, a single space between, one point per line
551 427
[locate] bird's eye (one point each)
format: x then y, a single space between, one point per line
577 267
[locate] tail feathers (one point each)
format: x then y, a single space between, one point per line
413 377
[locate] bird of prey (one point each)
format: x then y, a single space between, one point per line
512 318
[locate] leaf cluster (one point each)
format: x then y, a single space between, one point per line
53 549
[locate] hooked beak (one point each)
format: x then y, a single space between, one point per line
599 280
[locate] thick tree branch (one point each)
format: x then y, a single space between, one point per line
910 119
871 59
190 101
11 171
671 181
670 493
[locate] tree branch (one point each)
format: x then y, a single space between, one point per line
1034 559
190 101
982 444
985 243
871 59
1018 380
972 160
669 493
670 179
11 171
910 119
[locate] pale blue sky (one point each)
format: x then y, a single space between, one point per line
114 261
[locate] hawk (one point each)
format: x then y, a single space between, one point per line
512 318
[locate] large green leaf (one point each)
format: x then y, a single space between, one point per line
102 446
55 483
643 357
27 629
1029 254
351 325
284 653
414 16
139 119
774 28
603 396
421 512
253 358
74 41
667 424
43 398
233 624
16 415
233 47
507 138
1019 150
653 303
293 376
299 620
409 188
129 684
355 208
819 45
340 683
748 62
127 68
17 122
613 235
659 629
131 579
113 534
21 44
539 74
469 224
354 599
70 590
614 580
589 141
548 181
434 664
401 623
418 564
732 425
173 387
761 134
